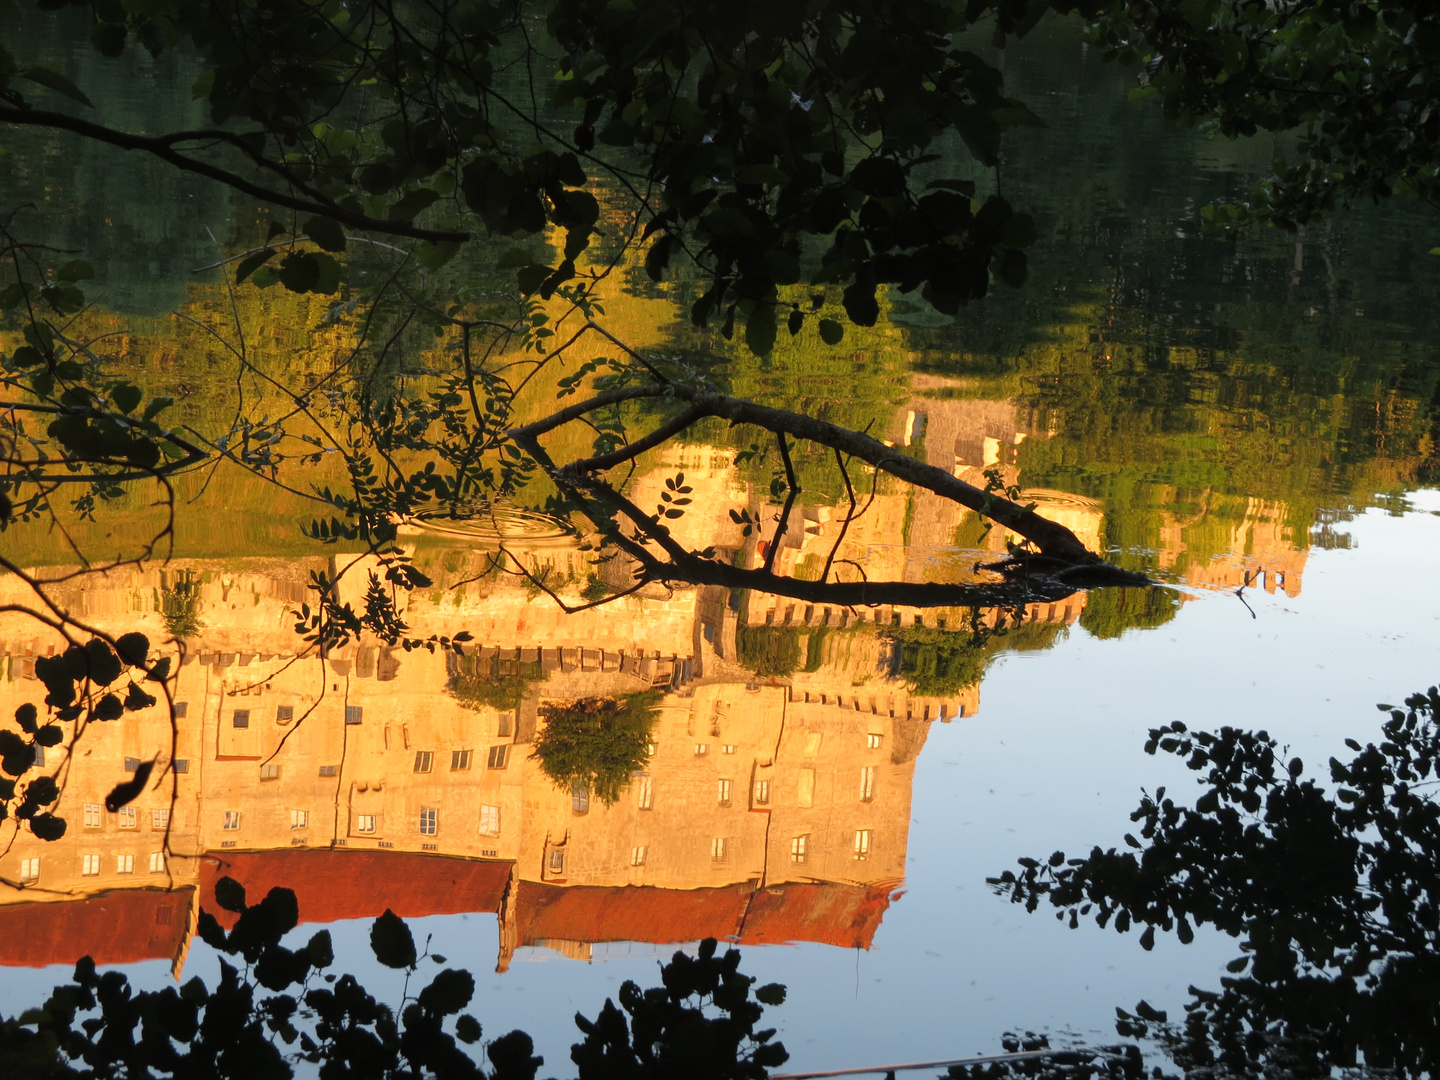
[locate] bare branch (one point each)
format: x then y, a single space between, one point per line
793 486
161 147
850 515
593 325
569 609
1051 538
530 432
667 430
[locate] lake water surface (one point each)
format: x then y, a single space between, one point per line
1251 422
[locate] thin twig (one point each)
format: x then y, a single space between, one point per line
665 431
794 489
160 146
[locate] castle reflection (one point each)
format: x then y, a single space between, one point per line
765 813
770 810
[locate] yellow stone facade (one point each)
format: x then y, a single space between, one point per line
799 782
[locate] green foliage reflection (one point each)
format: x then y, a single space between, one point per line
777 651
596 744
937 663
481 681
179 604
1110 612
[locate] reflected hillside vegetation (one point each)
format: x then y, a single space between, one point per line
579 516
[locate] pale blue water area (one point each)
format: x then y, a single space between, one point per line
1333 325
1053 760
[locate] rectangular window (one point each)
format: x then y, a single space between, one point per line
645 792
424 760
364 822
328 770
354 714
862 843
180 765
505 726
270 771
157 862
460 760
805 788
181 708
124 864
92 815
499 754
160 818
872 741
429 821
637 855
489 820
284 714
90 865
728 748
762 792
125 816
557 861
29 871
580 797
718 846
241 718
799 848
39 756
867 783
299 819
723 794
131 764
232 819
702 749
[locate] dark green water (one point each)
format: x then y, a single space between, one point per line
1192 387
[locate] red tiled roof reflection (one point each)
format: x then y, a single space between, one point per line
334 885
831 914
822 912
119 927
628 913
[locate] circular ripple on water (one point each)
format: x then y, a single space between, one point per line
497 523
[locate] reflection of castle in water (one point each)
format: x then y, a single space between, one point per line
766 813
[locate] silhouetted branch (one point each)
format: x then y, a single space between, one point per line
573 412
1052 539
793 488
161 146
851 515
1040 580
664 432
569 609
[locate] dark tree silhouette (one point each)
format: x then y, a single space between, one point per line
276 1011
1334 897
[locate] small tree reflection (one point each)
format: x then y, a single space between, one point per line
595 744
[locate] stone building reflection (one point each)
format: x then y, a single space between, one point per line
770 810
766 813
